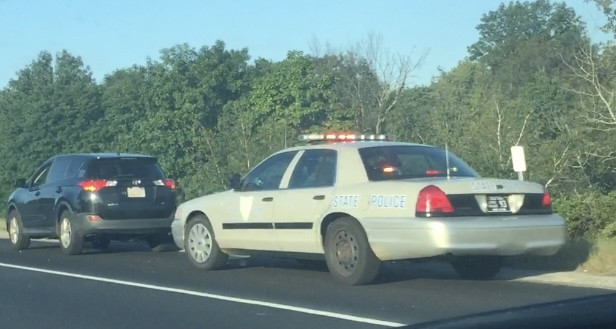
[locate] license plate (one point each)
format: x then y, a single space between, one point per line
497 203
135 192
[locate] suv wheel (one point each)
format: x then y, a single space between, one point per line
348 254
70 242
200 245
17 238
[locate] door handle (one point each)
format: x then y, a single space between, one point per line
267 199
318 197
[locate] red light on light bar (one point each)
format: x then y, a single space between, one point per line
387 169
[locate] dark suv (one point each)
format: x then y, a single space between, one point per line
92 197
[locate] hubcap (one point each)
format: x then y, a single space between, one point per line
200 243
14 230
346 252
65 232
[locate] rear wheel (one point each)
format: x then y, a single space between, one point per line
200 245
476 267
71 242
18 240
348 254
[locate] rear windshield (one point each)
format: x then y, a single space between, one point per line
402 162
143 168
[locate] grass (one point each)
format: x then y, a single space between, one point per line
597 256
602 258
2 225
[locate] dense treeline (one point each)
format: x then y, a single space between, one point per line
533 78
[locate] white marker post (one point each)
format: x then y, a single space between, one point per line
519 161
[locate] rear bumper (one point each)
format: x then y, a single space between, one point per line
122 226
397 238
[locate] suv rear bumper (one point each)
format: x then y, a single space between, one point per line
121 226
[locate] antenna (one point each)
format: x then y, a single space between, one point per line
447 160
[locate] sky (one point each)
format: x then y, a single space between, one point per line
115 34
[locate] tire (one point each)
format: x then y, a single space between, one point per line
71 242
476 267
201 246
18 240
348 254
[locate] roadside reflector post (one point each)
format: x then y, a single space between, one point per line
519 160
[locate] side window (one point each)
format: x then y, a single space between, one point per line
40 176
58 169
74 167
268 174
316 168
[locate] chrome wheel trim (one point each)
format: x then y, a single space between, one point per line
14 230
346 252
199 243
65 232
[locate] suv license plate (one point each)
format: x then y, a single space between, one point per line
135 192
497 203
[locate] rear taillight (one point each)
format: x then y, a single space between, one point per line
432 201
170 183
94 185
546 201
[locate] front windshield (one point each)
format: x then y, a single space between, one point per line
403 162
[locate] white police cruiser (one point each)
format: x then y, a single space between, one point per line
358 200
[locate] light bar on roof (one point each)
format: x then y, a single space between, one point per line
341 137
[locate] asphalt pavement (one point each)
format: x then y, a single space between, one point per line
129 286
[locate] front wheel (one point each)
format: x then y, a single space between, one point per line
18 240
476 267
200 245
71 242
348 254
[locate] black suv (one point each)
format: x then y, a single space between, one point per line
92 197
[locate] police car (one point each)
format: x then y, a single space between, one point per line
358 200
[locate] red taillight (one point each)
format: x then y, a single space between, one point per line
432 201
546 201
93 185
170 183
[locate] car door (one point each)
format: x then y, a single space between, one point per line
249 223
299 208
51 190
33 219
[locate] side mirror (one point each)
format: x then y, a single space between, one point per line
235 182
20 183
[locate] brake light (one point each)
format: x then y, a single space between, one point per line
432 201
431 172
170 183
546 201
94 185
388 169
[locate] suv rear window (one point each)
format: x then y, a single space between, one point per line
402 162
142 168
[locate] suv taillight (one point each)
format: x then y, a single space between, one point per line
94 185
546 201
432 201
170 183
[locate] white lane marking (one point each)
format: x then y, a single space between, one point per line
213 296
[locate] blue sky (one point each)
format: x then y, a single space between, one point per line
114 34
